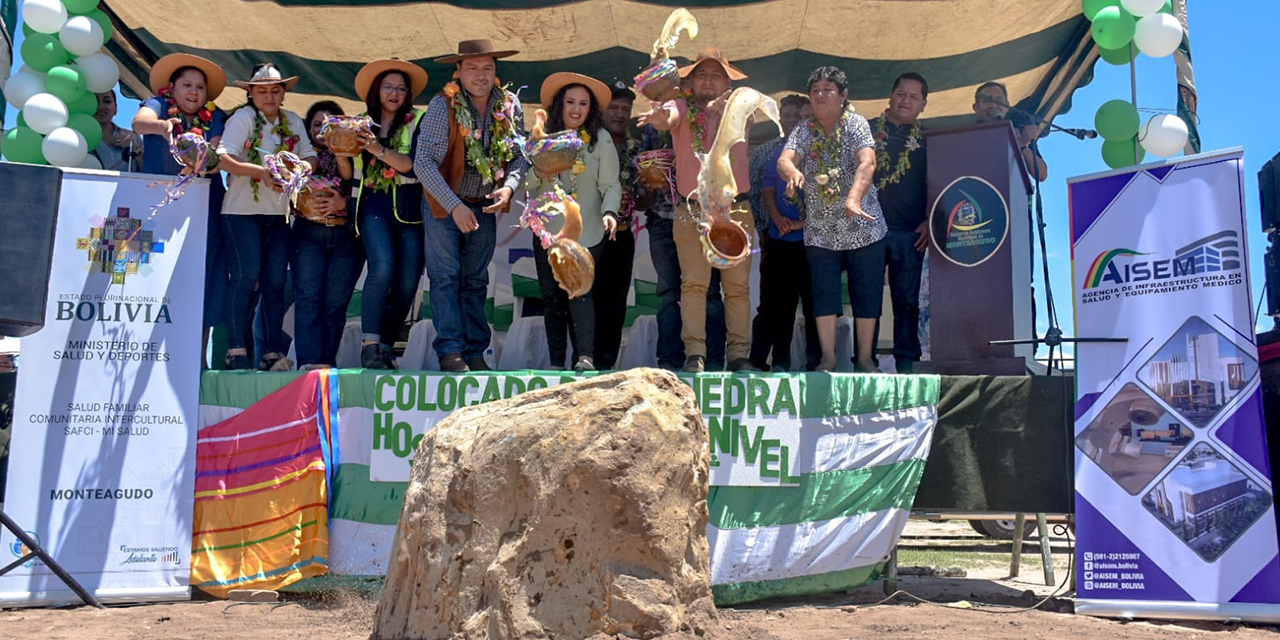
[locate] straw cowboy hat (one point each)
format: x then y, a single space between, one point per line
267 74
713 54
215 78
561 79
416 75
483 48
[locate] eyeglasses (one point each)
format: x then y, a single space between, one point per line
401 90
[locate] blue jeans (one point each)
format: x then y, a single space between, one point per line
865 267
905 264
458 267
258 253
394 250
326 265
666 264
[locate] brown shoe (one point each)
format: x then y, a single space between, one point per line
477 364
453 363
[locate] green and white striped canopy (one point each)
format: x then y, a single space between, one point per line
1040 48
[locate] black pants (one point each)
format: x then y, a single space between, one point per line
905 265
784 281
560 314
613 280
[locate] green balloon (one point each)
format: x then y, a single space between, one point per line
79 8
1121 56
1168 7
27 31
67 83
1092 7
101 18
1113 28
1119 154
42 52
87 104
1117 120
23 145
88 127
22 122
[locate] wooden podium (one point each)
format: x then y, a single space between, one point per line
980 251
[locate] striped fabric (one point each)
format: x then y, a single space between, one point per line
1040 48
261 516
864 441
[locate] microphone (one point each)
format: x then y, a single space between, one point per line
1082 133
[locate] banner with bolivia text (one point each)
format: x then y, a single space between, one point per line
812 482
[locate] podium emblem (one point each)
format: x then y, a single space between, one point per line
970 221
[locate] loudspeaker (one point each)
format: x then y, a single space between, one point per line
1269 188
28 218
1272 269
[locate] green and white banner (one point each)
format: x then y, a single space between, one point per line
812 481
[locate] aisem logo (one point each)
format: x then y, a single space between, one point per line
1218 252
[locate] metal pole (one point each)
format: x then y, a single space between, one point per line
1133 89
39 552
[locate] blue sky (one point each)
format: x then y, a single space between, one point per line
1229 47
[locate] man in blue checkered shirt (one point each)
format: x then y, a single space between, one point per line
469 178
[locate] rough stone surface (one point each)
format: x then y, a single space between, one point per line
561 513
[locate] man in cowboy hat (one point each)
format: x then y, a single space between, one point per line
464 191
710 78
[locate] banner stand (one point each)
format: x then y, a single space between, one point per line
38 552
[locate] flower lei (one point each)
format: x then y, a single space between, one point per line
503 143
288 140
378 174
201 124
825 150
882 152
698 121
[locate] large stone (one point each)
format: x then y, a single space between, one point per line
560 513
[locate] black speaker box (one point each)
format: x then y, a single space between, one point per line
28 219
1269 188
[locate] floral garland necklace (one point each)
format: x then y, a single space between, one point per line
201 123
882 152
252 146
491 165
379 175
698 121
824 150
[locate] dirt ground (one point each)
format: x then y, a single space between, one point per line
999 608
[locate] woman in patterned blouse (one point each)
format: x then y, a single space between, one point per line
832 157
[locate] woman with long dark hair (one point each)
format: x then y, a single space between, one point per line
255 212
185 88
327 257
387 204
575 102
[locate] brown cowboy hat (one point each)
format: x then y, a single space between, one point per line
483 48
561 79
713 54
416 75
268 73
214 77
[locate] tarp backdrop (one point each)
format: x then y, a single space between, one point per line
1173 487
102 460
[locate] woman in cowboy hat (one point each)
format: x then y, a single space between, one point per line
185 87
576 102
255 212
387 201
326 256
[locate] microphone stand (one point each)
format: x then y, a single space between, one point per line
1079 134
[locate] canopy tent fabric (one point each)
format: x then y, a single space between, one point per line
1040 49
8 15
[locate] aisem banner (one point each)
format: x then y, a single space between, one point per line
101 469
1173 492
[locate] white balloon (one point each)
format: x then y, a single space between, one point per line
29 71
65 147
21 86
81 35
91 162
1140 8
99 70
44 112
1164 135
1158 35
45 16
